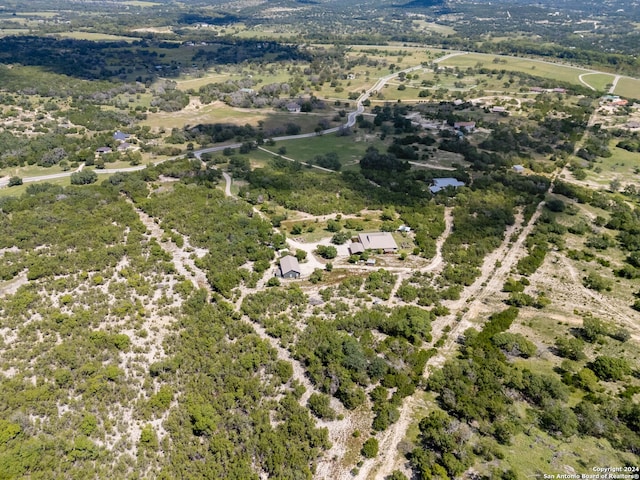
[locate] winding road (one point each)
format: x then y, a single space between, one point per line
351 121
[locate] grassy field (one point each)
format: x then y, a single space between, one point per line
628 87
599 81
622 165
349 149
559 72
266 33
30 171
195 83
4 32
537 453
20 189
97 37
424 26
216 112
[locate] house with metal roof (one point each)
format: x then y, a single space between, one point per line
378 241
289 267
440 183
356 248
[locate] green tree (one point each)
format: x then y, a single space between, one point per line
327 252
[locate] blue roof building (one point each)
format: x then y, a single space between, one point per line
440 183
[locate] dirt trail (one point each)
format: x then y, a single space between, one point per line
435 265
12 286
186 266
339 430
489 282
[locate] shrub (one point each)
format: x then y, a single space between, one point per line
273 282
609 368
370 448
596 282
319 405
15 181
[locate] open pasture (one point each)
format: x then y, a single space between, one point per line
96 37
563 73
349 149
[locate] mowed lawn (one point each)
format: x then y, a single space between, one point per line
20 189
599 81
628 87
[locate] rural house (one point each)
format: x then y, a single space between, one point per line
120 136
289 267
378 241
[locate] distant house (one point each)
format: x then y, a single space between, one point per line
103 150
466 126
518 168
120 136
293 107
378 241
559 90
609 98
498 110
536 89
351 76
356 248
289 267
124 146
440 183
371 262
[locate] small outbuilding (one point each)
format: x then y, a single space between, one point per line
289 267
293 107
518 168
